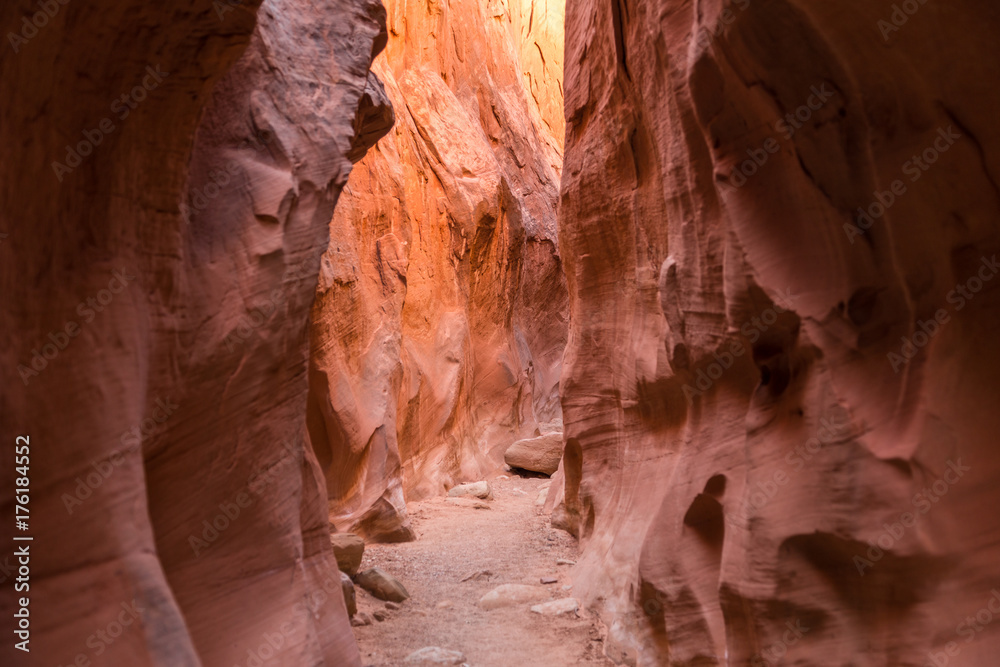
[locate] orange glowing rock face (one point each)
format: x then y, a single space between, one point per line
778 223
441 311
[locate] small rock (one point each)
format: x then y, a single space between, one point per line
348 549
444 604
503 477
477 489
391 606
542 495
557 607
478 575
549 580
518 492
379 615
350 599
435 655
471 503
563 561
361 618
541 454
509 595
381 585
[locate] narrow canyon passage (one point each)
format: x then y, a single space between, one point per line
466 548
441 311
437 335
291 289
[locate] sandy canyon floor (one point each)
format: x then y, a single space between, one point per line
462 552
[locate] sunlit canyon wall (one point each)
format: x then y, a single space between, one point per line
441 312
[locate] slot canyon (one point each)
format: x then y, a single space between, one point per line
499 333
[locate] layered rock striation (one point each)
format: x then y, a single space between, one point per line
779 224
440 316
168 180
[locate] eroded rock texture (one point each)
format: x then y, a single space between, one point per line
170 474
743 418
440 317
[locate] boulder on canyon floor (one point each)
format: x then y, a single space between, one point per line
540 454
350 596
382 585
349 550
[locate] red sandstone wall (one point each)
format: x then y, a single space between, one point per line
169 467
754 392
440 317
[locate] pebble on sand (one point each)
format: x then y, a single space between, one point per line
435 655
509 595
557 607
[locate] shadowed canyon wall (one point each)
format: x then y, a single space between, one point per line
779 222
440 317
158 275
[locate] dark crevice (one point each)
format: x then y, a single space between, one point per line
618 12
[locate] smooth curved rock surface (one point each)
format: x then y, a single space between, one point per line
541 454
441 313
382 585
474 489
757 388
195 228
435 655
509 595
